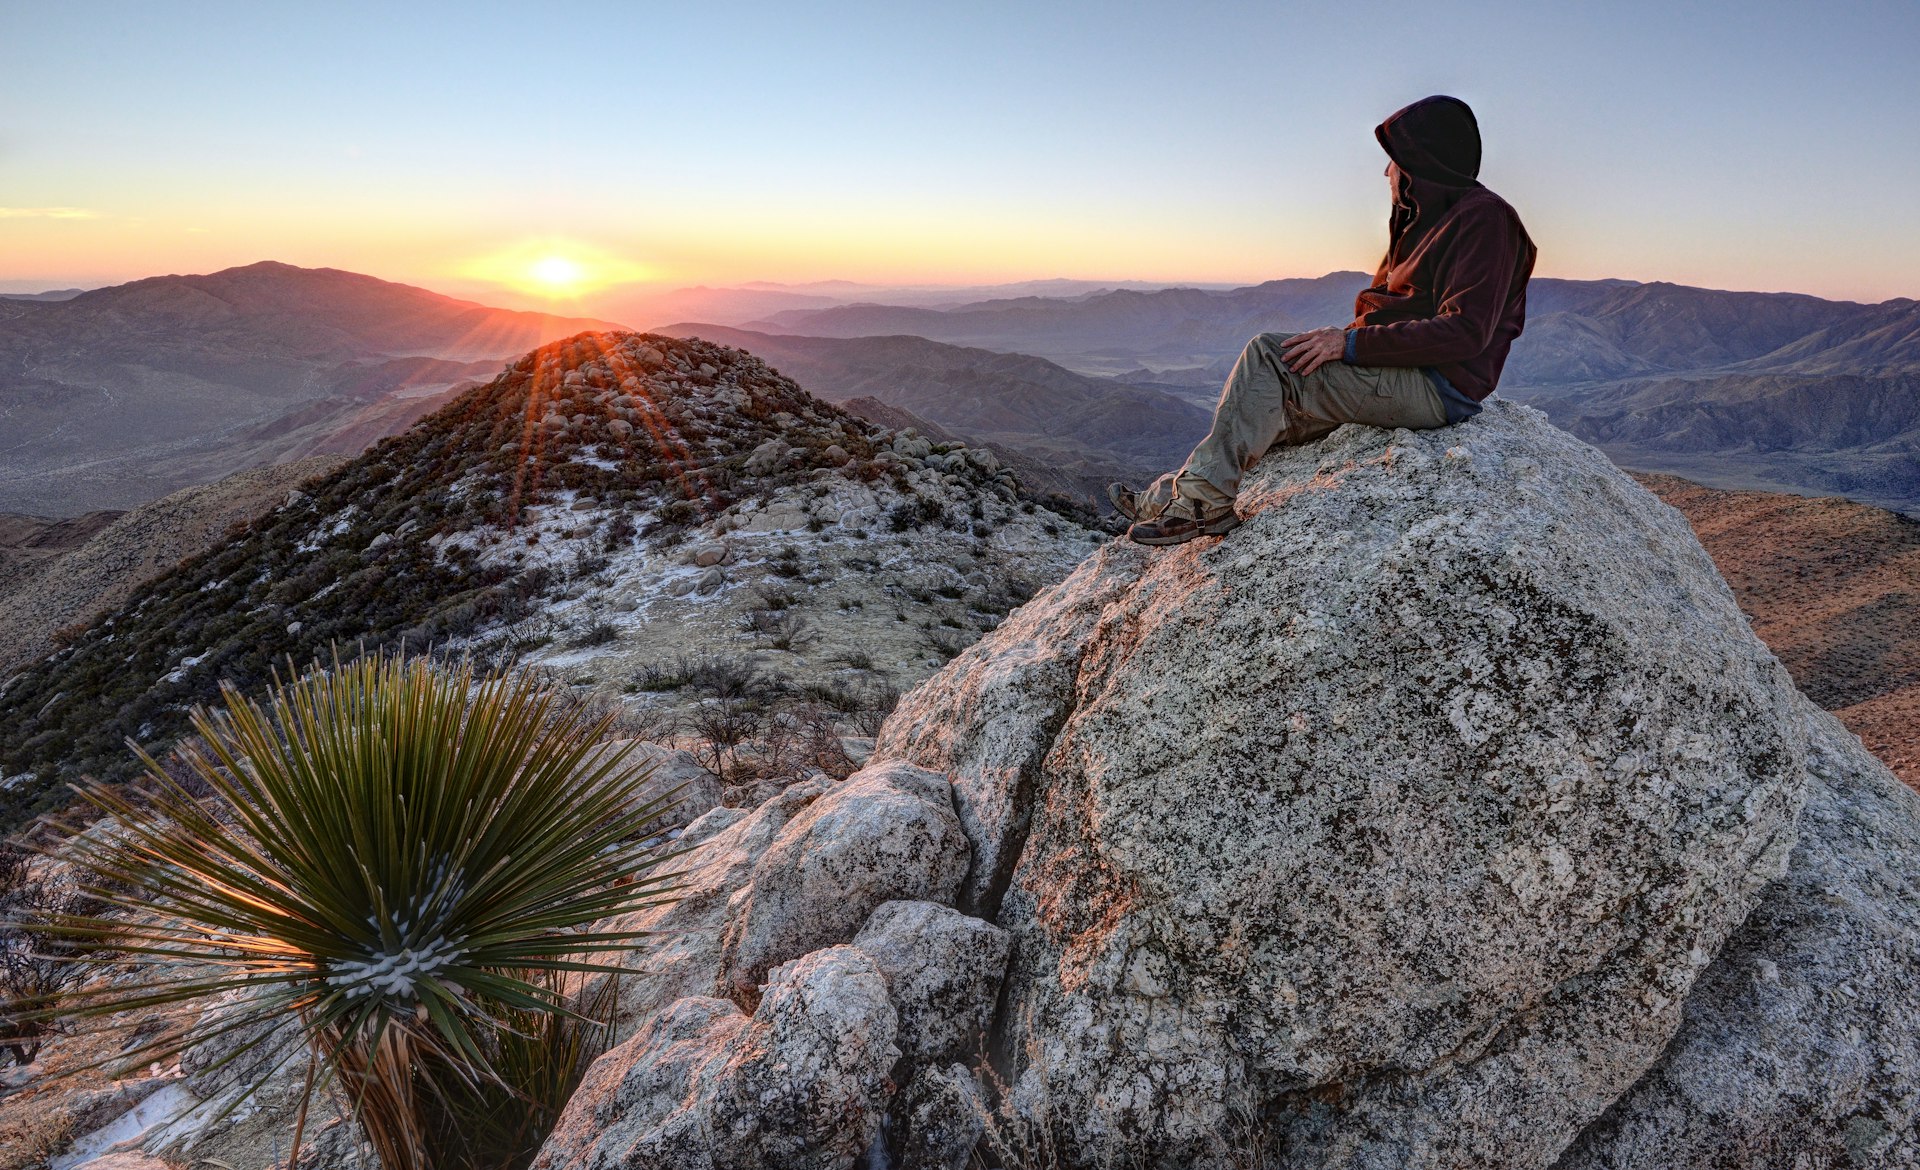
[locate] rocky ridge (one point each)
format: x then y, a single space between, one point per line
626 511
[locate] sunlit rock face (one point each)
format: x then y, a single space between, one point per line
1398 823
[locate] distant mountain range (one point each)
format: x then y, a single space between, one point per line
56 294
1775 390
121 395
1105 333
753 300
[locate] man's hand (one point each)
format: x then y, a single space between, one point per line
1306 352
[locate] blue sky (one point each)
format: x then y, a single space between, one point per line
1757 145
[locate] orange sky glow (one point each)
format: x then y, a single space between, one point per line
903 145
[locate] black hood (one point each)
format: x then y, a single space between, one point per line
1436 144
1435 139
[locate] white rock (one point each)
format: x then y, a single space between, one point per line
802 1084
118 1160
887 832
858 748
767 456
1403 816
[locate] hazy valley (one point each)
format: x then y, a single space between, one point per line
1774 390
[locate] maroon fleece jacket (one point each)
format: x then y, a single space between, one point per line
1451 293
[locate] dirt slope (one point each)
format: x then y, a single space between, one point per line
1833 588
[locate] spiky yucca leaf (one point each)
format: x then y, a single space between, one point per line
400 857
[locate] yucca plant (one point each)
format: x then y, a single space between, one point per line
405 859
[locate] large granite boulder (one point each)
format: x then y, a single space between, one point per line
943 972
1801 1045
1401 820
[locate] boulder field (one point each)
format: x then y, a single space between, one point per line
1445 814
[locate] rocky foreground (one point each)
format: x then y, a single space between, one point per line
1448 813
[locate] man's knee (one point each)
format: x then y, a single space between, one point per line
1268 343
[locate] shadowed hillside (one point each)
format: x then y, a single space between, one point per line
1087 430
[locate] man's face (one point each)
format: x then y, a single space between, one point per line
1395 188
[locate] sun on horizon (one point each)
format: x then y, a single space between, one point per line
556 270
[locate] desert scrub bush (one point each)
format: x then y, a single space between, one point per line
406 867
786 563
774 597
833 696
781 629
916 512
35 972
877 701
944 643
597 633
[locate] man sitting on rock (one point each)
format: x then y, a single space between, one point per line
1425 346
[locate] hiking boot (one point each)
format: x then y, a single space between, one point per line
1183 521
1124 499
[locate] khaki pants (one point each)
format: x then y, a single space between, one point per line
1266 404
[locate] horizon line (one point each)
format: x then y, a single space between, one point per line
24 287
